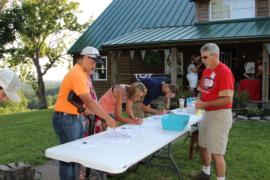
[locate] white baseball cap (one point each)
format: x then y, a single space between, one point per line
10 83
93 53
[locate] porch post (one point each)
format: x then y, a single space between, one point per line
166 61
269 8
265 75
173 66
113 68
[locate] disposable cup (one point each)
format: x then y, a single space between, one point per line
181 103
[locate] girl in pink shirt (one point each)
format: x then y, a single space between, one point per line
113 99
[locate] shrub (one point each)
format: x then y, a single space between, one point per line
33 103
240 99
51 99
252 111
10 107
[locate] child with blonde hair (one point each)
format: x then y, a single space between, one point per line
113 99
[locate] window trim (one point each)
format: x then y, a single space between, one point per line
210 12
106 68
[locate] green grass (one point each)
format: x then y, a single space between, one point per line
248 156
25 136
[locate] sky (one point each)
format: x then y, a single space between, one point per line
89 8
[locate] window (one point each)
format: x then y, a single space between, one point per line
100 73
231 9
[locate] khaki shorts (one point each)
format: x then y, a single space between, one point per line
214 130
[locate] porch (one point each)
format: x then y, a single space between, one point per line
239 41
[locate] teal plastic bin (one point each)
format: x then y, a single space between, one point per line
175 122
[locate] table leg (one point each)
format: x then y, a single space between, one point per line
91 131
77 171
193 143
173 161
101 175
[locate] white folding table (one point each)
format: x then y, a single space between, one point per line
111 158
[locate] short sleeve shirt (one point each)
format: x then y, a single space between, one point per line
154 88
75 80
215 83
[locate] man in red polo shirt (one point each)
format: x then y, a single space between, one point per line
216 96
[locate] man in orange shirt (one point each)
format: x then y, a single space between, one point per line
67 121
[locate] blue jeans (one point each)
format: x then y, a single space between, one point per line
68 128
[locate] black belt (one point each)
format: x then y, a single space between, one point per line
66 114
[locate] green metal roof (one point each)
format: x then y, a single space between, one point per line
125 16
215 31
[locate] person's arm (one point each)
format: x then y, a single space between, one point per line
129 109
94 107
118 109
259 71
194 69
166 101
221 101
199 65
152 110
88 111
257 74
247 76
199 94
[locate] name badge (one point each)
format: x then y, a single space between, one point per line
208 83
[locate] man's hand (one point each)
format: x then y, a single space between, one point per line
200 104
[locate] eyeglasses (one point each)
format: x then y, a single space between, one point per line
95 59
92 58
205 57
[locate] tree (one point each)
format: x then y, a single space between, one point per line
42 39
2 4
10 22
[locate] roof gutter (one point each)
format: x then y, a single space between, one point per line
166 44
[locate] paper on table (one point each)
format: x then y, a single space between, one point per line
152 123
130 130
157 116
189 110
178 111
114 137
111 136
120 135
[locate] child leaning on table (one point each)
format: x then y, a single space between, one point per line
112 100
